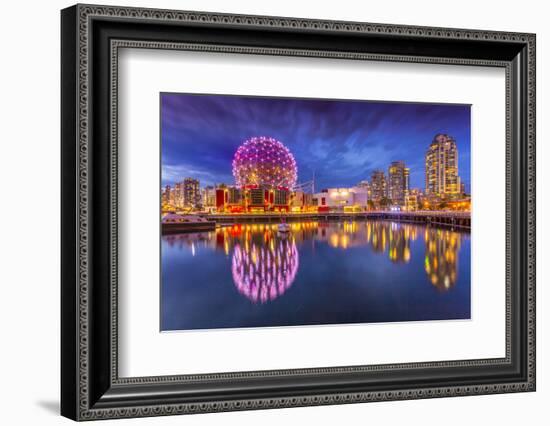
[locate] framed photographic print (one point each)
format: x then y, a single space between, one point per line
263 212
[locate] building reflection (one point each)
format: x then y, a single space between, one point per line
264 263
192 240
441 257
393 238
263 273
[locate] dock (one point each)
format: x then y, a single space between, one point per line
458 220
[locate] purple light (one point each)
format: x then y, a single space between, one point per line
262 274
264 161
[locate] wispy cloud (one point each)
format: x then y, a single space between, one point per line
175 173
342 141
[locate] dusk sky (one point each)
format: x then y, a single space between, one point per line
341 141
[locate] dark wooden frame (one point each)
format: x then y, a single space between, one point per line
91 37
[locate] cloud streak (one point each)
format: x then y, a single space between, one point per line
341 141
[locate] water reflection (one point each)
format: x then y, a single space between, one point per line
441 259
264 263
392 237
263 273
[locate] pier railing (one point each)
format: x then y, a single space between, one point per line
452 219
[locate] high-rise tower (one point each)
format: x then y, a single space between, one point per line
442 178
378 185
398 182
191 192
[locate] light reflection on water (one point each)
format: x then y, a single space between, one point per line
320 263
265 272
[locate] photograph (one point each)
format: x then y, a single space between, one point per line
280 212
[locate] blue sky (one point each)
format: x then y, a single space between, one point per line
342 141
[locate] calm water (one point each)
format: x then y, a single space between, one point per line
322 273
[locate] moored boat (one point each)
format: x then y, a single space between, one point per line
283 228
173 222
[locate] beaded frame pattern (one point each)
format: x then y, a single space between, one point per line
86 12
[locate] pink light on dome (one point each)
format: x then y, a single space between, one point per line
263 274
264 161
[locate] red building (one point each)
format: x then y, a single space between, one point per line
252 198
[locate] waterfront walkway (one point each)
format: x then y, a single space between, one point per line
460 220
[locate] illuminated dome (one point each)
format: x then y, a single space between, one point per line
262 274
264 161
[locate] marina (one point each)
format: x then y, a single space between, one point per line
453 220
330 218
319 272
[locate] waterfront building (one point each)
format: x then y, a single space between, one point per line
301 201
257 198
208 197
179 194
398 182
441 161
221 199
365 184
169 196
234 195
341 199
166 194
460 204
378 186
266 173
252 199
413 200
191 193
462 189
229 199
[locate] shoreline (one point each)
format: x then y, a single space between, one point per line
460 221
449 219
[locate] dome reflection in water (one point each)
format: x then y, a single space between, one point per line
263 273
251 275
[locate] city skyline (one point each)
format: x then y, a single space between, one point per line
238 207
342 142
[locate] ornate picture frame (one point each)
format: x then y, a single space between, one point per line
91 37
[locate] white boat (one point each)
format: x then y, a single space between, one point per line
172 223
283 228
